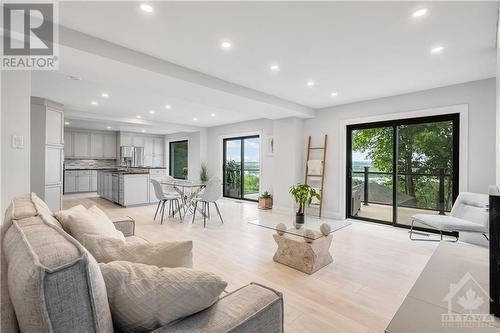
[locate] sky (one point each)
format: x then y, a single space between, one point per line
252 150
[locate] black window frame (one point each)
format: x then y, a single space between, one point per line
394 124
242 166
170 164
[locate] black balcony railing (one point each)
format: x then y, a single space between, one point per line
440 174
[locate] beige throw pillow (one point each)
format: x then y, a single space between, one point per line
92 221
163 254
62 215
144 297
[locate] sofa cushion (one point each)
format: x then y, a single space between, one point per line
54 283
159 295
252 308
92 221
44 210
162 254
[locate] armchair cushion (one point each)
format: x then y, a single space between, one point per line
449 223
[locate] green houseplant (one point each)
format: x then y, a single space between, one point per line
266 200
204 173
302 194
185 172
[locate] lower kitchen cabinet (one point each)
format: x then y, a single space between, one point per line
76 181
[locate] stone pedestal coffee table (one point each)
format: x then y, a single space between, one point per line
306 247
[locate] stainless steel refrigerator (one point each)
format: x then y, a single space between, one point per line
131 156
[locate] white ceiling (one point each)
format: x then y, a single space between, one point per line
363 50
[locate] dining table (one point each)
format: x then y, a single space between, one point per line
188 189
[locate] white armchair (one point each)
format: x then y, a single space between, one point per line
469 214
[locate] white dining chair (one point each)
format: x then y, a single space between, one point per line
468 214
211 194
172 197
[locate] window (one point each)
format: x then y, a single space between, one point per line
241 163
178 159
396 169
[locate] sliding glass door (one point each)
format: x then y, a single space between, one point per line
178 159
241 167
396 169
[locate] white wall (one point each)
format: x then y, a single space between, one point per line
480 97
15 120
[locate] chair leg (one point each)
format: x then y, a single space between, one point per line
179 209
169 207
218 212
194 211
162 211
204 214
208 209
157 207
428 240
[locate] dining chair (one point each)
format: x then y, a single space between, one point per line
172 197
211 194
468 214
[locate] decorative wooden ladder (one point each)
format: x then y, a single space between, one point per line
321 177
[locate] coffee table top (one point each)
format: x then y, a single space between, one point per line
312 224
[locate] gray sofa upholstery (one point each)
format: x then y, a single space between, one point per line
55 285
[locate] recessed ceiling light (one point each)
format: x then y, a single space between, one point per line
311 83
105 95
420 12
151 111
139 117
108 127
146 8
334 94
274 67
93 103
143 131
66 123
168 106
226 45
437 49
195 119
213 115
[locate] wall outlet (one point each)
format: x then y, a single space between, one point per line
18 142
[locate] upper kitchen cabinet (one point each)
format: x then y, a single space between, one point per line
137 141
110 146
96 145
90 144
81 144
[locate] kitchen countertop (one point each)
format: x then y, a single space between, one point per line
89 169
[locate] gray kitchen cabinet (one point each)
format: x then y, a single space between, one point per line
83 182
158 145
109 146
69 182
47 150
68 144
96 145
125 139
54 124
81 144
138 140
148 145
93 181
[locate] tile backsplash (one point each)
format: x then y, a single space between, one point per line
89 164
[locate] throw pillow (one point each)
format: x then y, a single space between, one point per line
62 215
163 254
92 221
144 297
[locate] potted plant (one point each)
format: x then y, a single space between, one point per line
185 172
204 173
266 200
302 194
